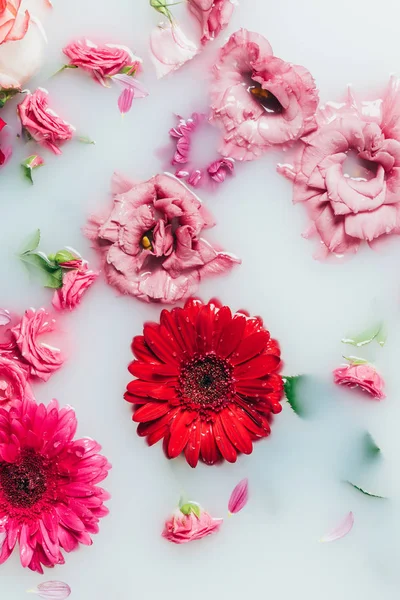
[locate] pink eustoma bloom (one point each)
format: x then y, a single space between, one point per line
259 100
151 242
75 283
49 495
363 376
43 360
102 61
181 528
42 123
13 381
363 205
170 48
213 16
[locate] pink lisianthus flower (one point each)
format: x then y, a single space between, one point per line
182 528
219 169
13 381
42 123
43 360
170 48
259 100
363 205
151 241
363 376
75 283
101 61
213 16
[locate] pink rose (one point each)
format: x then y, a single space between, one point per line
170 49
363 376
21 44
44 125
75 284
258 99
363 205
213 16
181 528
150 242
42 359
13 382
101 61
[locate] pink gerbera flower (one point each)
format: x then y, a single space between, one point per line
49 498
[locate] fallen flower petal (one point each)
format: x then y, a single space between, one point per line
125 101
130 83
364 376
341 530
52 590
29 164
190 525
239 497
170 48
213 16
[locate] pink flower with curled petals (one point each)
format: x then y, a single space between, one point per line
170 48
43 360
259 100
75 283
351 204
213 16
42 123
363 376
219 169
50 500
182 528
101 61
151 242
13 381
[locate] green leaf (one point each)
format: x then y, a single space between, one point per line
356 360
359 489
51 273
371 450
63 256
84 139
365 337
31 243
161 7
190 507
382 335
54 279
6 94
291 386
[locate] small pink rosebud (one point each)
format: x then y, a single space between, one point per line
219 169
364 376
52 590
239 497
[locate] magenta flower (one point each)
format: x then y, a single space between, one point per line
219 169
259 100
13 381
151 241
170 49
363 376
42 123
101 61
75 283
41 358
196 524
347 208
213 16
49 497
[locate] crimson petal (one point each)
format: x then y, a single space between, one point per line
231 336
257 367
161 391
250 346
224 444
237 434
153 372
180 432
192 450
161 342
141 350
150 411
209 450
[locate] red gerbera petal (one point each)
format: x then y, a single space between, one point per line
207 382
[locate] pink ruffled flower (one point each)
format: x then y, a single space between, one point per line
213 16
7 322
42 123
181 528
170 49
348 209
364 376
13 381
75 284
219 169
258 99
151 244
101 61
43 360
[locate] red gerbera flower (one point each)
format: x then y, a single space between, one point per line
207 382
49 499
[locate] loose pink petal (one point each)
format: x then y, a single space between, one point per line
130 83
239 497
170 49
125 100
5 317
341 530
52 590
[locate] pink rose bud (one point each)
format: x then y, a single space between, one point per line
361 375
192 524
75 283
42 123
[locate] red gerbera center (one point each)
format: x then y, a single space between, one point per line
24 483
207 382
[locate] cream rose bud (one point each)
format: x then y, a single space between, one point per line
20 59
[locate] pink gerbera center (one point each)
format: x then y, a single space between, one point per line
24 483
207 382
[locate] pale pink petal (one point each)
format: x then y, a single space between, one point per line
130 83
125 100
341 530
239 497
170 49
53 590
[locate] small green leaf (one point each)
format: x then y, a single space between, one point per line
128 70
196 510
371 450
63 69
27 171
359 489
365 337
51 273
190 507
54 279
161 7
291 385
63 256
6 94
31 243
356 360
86 140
